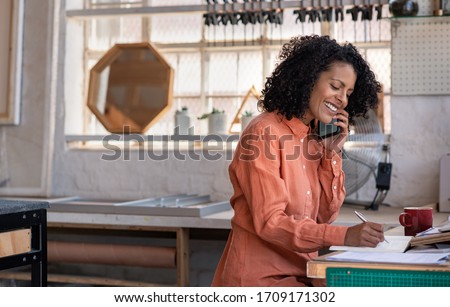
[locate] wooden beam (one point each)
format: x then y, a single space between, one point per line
83 280
182 257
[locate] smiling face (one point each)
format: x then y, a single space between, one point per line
330 93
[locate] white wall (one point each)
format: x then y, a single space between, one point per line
85 173
25 148
420 137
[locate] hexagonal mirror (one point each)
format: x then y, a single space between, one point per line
130 88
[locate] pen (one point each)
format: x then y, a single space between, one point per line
363 218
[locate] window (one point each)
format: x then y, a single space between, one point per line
214 66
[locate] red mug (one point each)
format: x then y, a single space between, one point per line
416 219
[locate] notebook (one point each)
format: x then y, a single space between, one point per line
397 244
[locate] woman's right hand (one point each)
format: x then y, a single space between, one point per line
365 234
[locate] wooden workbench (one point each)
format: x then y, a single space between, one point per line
317 267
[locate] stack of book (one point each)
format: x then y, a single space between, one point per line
432 236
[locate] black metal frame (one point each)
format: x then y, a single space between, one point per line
36 220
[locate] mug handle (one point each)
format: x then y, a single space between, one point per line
405 219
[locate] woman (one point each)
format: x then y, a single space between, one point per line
289 184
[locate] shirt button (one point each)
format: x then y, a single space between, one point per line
334 187
308 192
306 217
301 141
334 162
304 167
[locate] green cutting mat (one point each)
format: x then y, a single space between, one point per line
351 277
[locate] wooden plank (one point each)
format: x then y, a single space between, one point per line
112 254
83 280
15 242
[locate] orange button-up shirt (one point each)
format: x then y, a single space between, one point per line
286 194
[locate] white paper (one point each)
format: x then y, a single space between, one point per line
436 248
414 258
397 244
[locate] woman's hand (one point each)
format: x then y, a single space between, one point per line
365 234
336 142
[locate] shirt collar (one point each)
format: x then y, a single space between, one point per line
296 125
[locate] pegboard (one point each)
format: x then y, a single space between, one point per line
420 55
426 7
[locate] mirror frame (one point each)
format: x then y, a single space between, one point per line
95 79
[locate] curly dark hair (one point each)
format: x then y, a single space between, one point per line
287 91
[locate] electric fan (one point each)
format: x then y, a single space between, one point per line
362 156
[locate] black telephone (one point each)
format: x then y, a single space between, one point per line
327 130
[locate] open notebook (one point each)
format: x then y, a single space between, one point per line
397 244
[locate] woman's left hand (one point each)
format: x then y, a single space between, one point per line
336 142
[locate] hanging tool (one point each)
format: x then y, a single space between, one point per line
339 11
279 15
379 9
260 13
244 18
225 18
274 16
339 16
354 12
301 12
314 15
260 17
252 20
327 12
363 9
234 18
207 17
211 18
368 15
279 19
270 17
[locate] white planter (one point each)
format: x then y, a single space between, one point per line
245 120
183 122
217 123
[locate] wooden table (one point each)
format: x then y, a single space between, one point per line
317 268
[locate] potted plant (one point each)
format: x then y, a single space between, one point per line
246 117
182 121
216 121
